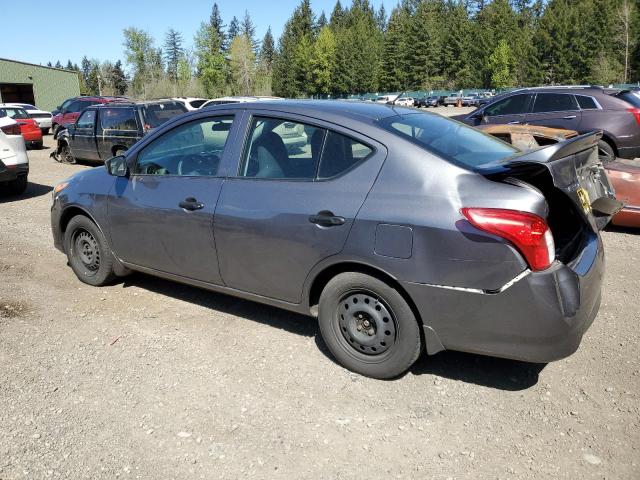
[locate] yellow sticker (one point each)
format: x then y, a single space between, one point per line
583 196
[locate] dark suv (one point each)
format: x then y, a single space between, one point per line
583 109
69 111
103 131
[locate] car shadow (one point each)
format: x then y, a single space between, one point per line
619 229
256 312
492 372
33 190
497 373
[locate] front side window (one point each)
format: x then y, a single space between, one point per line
192 149
87 119
448 139
513 105
118 119
554 102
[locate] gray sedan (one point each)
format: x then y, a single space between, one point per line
400 231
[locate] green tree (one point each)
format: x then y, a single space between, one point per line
248 29
323 62
215 21
173 51
118 79
210 62
500 64
234 29
394 68
267 51
141 55
242 62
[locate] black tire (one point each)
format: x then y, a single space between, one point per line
45 131
606 152
119 151
376 307
18 186
88 252
65 155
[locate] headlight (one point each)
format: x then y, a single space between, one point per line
58 188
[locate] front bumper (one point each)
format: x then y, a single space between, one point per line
56 214
539 318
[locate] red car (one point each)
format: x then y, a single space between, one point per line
29 128
69 111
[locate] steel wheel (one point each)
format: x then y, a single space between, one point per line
366 323
87 249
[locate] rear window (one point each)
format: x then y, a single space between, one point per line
15 113
156 114
118 119
448 139
630 97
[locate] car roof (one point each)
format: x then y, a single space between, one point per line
358 110
140 103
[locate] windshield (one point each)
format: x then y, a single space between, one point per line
155 114
448 139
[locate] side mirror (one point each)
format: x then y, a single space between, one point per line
117 166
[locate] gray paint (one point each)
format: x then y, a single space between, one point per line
253 239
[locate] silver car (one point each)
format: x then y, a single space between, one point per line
401 231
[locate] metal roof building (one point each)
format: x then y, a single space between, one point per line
46 87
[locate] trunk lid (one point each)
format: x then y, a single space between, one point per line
569 174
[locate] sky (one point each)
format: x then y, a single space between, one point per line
47 32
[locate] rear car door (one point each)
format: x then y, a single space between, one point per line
298 188
83 138
555 110
118 129
509 110
161 216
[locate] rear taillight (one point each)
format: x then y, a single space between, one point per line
636 113
529 233
13 129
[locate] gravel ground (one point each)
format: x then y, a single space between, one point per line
149 379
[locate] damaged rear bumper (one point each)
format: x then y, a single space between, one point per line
538 317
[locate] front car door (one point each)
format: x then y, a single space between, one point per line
82 140
509 110
299 185
161 216
118 129
555 110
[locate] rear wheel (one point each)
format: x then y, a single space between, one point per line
18 186
368 326
45 131
65 154
88 252
606 152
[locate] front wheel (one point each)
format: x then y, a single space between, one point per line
368 326
88 252
45 131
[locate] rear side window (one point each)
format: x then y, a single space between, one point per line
15 113
554 102
586 103
339 154
196 103
509 106
118 119
448 139
156 114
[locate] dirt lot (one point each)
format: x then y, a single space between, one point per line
149 379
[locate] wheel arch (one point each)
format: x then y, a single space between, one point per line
608 138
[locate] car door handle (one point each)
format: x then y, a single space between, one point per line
325 218
191 204
515 122
569 117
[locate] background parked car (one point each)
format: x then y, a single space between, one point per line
104 130
404 102
453 99
190 103
583 109
14 163
42 117
433 101
28 126
69 111
471 100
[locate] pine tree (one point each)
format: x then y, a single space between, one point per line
267 52
173 51
393 69
323 62
322 22
248 29
215 22
210 62
381 18
118 79
69 65
234 29
337 15
49 64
